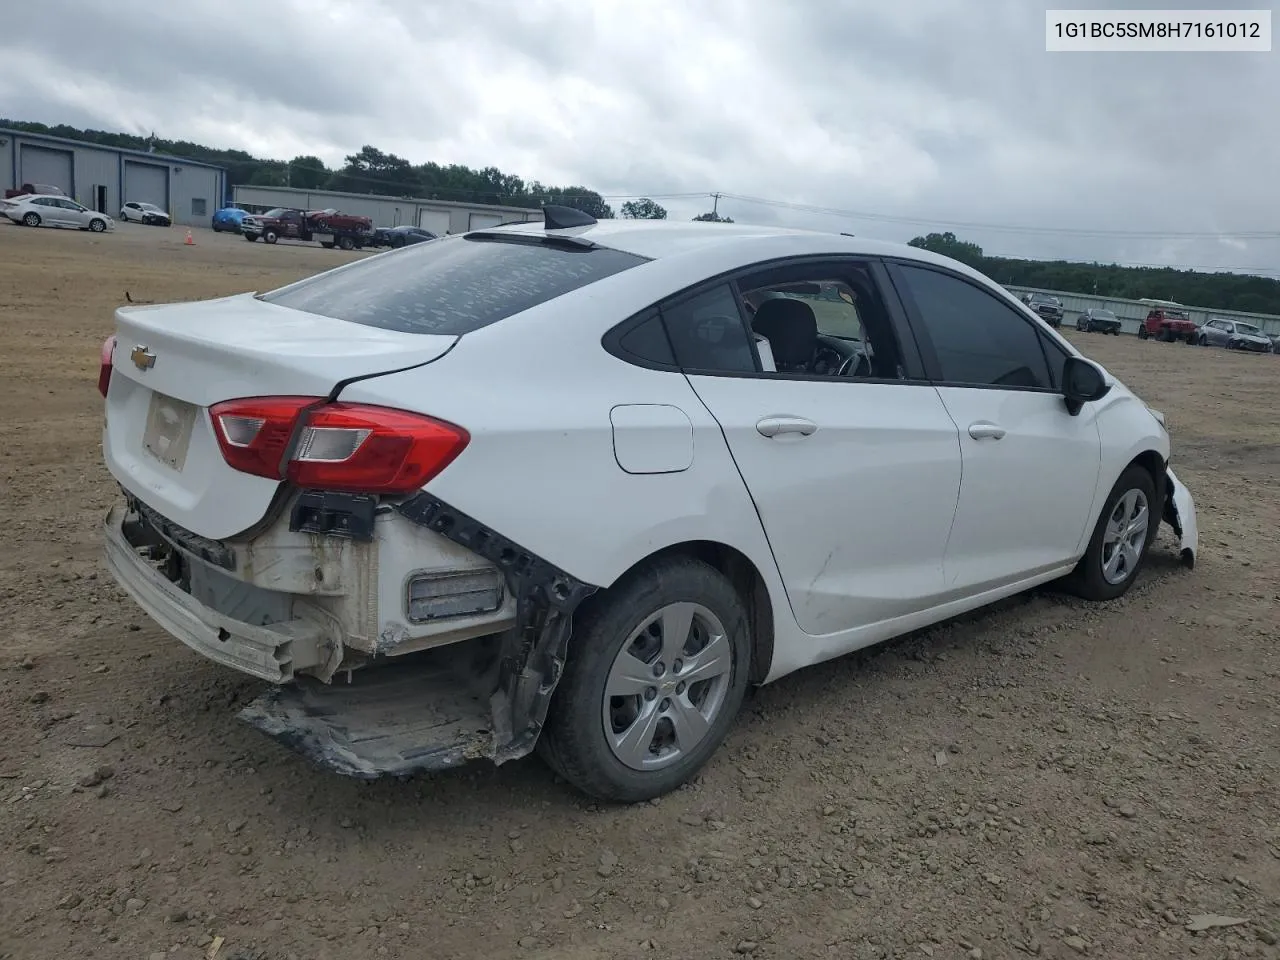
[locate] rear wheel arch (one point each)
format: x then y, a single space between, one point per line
747 581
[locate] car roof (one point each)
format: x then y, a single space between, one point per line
658 239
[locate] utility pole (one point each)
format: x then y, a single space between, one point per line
715 204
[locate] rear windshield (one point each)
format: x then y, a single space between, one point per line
452 286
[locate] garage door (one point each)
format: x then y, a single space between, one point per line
437 221
146 183
42 165
480 221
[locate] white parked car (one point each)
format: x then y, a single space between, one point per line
147 213
579 484
45 210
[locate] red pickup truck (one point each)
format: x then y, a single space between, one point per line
329 227
1164 323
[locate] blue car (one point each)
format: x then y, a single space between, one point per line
228 218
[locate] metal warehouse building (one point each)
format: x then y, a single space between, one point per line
438 216
104 178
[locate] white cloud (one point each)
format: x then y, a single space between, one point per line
927 109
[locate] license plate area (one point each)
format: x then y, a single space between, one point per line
167 435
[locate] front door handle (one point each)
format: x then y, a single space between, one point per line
773 426
985 430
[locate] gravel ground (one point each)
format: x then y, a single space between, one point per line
1046 778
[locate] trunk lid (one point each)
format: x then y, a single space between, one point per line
172 362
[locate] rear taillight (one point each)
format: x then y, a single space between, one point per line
104 369
254 434
335 446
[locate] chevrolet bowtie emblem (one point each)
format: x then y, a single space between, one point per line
142 358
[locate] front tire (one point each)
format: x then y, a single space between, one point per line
1142 333
269 237
97 226
654 679
1125 530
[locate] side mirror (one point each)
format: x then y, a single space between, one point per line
1082 382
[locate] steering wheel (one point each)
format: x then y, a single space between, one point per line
826 359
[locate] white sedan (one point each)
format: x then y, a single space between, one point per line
46 210
578 485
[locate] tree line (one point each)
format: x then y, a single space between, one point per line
1223 291
368 170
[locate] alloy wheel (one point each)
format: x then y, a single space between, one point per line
1125 538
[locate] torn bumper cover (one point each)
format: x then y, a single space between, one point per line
486 699
269 652
1180 513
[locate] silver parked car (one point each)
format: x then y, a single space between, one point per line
44 210
1234 335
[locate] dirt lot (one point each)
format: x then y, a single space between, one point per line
1045 779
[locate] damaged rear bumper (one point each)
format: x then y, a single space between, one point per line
483 699
271 653
429 713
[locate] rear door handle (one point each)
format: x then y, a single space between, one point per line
985 430
774 426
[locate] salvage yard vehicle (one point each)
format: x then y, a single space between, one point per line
1166 323
574 486
400 236
147 214
1046 306
329 228
1097 318
1234 335
227 219
37 189
39 210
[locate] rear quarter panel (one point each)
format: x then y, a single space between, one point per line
540 467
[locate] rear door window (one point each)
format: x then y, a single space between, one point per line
452 286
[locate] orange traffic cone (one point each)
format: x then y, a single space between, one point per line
189 241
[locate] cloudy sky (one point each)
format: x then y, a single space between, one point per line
903 116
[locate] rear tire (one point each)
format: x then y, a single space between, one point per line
623 726
346 243
31 219
1101 574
